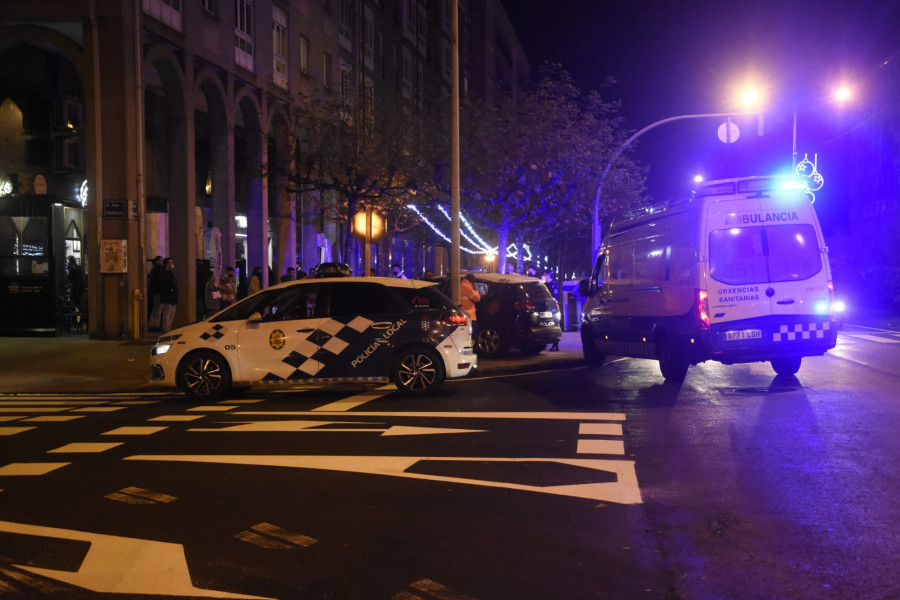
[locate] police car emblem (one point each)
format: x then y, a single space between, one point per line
276 339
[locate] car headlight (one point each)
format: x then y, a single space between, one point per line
160 349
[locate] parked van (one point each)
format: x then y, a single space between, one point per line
736 273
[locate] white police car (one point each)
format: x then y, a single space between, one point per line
321 330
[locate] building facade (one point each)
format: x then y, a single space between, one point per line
166 123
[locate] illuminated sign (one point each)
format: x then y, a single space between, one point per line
83 193
5 187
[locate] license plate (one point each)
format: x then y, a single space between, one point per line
745 334
545 315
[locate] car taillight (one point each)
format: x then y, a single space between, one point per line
453 319
525 305
703 308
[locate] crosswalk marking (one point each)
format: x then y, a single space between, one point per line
16 469
134 431
85 447
14 430
872 338
601 447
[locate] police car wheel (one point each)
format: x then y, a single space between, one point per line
592 356
672 363
490 341
787 365
417 371
204 375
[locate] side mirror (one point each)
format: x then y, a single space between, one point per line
255 318
584 288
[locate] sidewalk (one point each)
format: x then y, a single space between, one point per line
72 363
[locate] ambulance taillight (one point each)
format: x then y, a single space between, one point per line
703 308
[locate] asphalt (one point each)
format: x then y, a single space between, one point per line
73 363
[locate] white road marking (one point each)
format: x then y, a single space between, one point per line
4 419
134 431
243 401
121 565
601 447
86 447
599 429
298 539
138 402
51 402
872 338
436 590
177 418
14 430
17 469
357 400
624 490
548 416
99 409
33 409
212 408
310 427
54 418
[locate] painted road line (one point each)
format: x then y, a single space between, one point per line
437 590
51 402
5 419
599 429
243 401
121 565
601 447
86 447
323 427
145 496
623 491
177 418
547 416
16 469
138 402
357 400
14 430
134 431
54 418
485 377
100 409
222 408
261 534
33 409
872 338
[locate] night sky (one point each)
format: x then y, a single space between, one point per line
673 58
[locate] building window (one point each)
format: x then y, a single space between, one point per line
346 82
304 54
409 19
209 6
369 39
327 82
407 78
345 21
166 11
279 47
243 33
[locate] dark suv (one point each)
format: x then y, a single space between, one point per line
514 311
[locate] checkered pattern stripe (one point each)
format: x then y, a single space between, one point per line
332 336
217 332
801 331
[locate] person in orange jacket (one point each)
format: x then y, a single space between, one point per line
468 296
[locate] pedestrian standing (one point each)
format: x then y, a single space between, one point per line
553 287
213 296
76 281
153 292
397 271
255 284
228 288
468 296
168 294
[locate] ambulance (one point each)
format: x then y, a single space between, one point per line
738 272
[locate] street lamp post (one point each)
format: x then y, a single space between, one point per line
595 233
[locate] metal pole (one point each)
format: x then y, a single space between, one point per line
794 143
367 247
454 161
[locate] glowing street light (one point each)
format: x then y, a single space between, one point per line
843 93
698 178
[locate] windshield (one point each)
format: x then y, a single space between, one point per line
764 254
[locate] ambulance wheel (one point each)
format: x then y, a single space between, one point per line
672 363
592 356
490 341
417 370
787 365
204 375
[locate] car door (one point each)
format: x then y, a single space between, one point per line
278 342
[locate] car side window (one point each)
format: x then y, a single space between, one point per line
351 299
297 302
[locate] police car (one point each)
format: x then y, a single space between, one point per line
321 330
